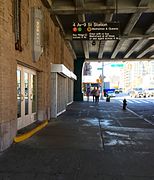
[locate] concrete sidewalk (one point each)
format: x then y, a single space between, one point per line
88 142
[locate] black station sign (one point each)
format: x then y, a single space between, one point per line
95 31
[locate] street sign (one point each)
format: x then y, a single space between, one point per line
117 65
99 68
95 31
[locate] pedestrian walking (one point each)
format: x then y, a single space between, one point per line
97 94
93 93
88 93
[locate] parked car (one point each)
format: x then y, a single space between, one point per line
149 92
137 92
111 94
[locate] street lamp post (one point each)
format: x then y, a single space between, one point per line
102 81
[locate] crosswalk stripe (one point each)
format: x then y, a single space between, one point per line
138 101
150 101
129 101
144 101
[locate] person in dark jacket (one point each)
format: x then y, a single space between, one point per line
97 94
93 93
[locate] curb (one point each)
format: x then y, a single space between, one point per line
30 133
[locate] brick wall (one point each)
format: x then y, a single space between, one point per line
55 51
8 93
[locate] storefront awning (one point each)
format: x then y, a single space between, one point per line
63 70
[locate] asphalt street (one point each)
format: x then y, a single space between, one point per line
143 107
90 141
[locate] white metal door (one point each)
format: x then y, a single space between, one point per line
26 96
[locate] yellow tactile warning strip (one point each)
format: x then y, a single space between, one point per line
30 133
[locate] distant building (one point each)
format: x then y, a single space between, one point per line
87 69
138 74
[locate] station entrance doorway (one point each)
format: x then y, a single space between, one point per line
26 96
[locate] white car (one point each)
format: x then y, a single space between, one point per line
149 92
136 93
111 94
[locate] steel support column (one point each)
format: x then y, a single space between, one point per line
78 64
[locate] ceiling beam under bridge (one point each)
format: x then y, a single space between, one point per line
109 14
143 3
110 2
139 44
152 57
117 48
79 3
85 44
135 17
66 7
108 17
81 18
150 29
119 59
133 20
101 49
47 3
151 48
86 48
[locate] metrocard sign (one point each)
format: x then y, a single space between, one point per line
95 31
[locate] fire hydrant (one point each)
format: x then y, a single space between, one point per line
124 104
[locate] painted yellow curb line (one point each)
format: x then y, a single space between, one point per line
30 133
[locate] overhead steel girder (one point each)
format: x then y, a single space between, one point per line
117 48
61 10
133 20
81 18
101 49
139 44
135 17
110 2
105 10
144 2
118 59
151 48
150 29
47 3
79 3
